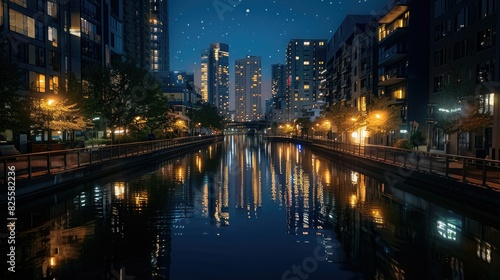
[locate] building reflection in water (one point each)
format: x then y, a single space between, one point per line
131 222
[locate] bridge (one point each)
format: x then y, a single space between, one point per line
256 125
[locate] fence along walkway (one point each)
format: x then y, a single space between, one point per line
477 171
28 166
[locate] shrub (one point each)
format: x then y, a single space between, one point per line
403 144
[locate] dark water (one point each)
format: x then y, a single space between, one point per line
247 209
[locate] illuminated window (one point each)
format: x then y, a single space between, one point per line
52 35
52 9
22 24
399 93
307 43
306 62
321 43
54 83
306 87
37 81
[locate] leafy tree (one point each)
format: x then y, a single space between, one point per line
57 115
305 124
208 116
157 115
120 93
383 115
13 108
346 118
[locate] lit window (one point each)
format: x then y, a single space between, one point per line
52 9
22 24
306 62
54 83
307 43
52 35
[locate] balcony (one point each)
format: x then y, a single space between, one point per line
345 83
392 77
346 69
392 55
392 36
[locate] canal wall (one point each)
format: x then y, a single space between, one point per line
471 196
45 184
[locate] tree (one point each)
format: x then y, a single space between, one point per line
120 93
57 115
305 124
13 112
157 115
346 118
208 116
383 115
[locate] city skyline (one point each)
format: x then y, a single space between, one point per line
258 28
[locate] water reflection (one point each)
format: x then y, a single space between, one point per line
247 209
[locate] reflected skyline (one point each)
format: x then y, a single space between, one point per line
226 209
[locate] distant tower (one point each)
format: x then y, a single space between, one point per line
160 61
278 82
215 77
248 92
305 61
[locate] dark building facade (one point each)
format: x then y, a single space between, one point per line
464 54
305 62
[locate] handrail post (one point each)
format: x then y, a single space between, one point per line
29 167
65 160
430 164
48 163
446 165
90 156
78 157
484 173
464 175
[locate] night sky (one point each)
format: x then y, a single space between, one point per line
253 27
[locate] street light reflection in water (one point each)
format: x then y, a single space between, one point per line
250 209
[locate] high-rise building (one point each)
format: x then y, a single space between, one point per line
137 34
160 50
464 55
305 61
248 89
33 35
347 60
278 80
160 61
86 40
215 77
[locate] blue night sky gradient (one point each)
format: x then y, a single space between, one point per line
253 27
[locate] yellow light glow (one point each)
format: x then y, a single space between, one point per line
50 101
354 134
52 261
353 200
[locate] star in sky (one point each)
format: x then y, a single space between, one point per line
253 27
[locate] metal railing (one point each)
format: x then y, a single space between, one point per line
477 171
32 165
